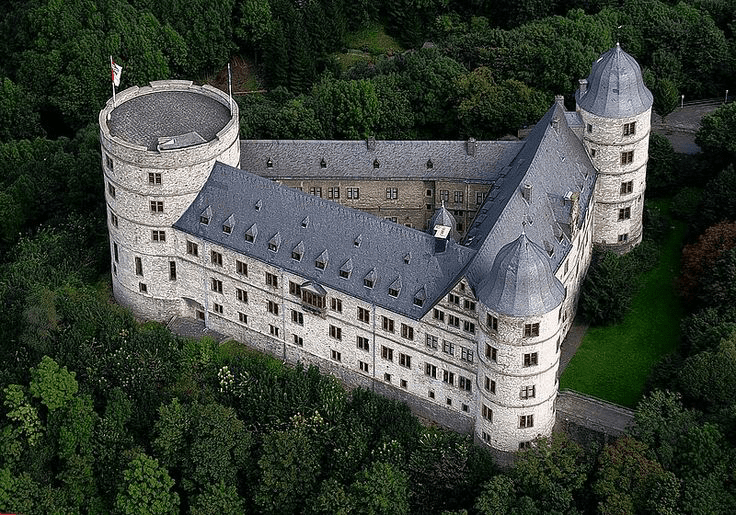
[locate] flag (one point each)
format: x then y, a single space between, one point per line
116 71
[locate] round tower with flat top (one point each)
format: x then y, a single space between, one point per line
616 108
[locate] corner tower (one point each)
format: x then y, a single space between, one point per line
159 144
616 108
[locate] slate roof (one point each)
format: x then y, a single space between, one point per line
615 87
522 282
387 250
397 160
144 119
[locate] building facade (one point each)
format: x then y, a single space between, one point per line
442 273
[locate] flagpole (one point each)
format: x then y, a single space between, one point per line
230 87
112 75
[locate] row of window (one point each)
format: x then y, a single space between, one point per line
456 300
464 383
526 392
448 347
525 421
454 321
528 360
629 129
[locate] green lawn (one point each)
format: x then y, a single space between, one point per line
613 362
372 40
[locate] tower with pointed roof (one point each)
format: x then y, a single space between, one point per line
616 108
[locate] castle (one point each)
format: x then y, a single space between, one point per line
442 273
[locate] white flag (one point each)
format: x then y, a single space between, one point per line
116 71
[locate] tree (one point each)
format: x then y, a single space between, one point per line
218 499
701 256
715 135
19 117
607 290
666 97
718 283
382 489
146 488
55 386
347 109
707 378
704 329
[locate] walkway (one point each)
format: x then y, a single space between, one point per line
591 413
680 126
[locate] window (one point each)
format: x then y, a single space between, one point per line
335 332
430 370
592 152
364 315
272 307
297 317
109 163
273 246
491 352
624 213
623 237
111 189
269 163
298 340
449 401
393 292
241 268
469 305
388 324
216 258
431 341
362 343
113 219
526 421
453 321
217 308
172 270
589 128
466 354
296 255
241 295
333 192
386 376
321 262
138 266
273 330
204 219
531 330
192 248
465 408
200 314
376 164
464 383
524 446
216 285
439 315
431 394
404 360
391 219
354 193
453 299
487 413
629 129
142 287
157 206
392 193
530 359
317 192
154 178
448 347
445 195
627 187
492 322
527 392
627 157
272 280
345 274
159 236
404 384
407 332
363 366
295 289
336 305
490 385
458 197
249 237
479 197
115 252
242 318
387 353
468 327
323 163
430 165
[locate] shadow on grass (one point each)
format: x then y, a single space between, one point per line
613 362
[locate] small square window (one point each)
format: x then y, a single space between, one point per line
143 287
526 421
627 157
531 330
157 206
154 178
531 359
624 213
192 248
387 377
298 341
431 394
404 384
629 129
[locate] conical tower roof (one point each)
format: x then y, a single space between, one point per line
523 282
615 87
443 217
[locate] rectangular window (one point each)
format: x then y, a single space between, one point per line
216 285
363 366
453 321
629 129
445 195
297 317
531 330
192 248
109 162
115 252
407 332
200 314
157 206
453 299
273 330
142 287
387 377
354 193
464 383
623 237
404 384
158 236
172 270
479 197
589 128
438 315
469 305
490 385
387 353
317 192
242 318
468 327
154 178
404 360
335 332
527 392
430 370
217 308
364 315
431 341
487 413
333 192
215 258
448 377
624 213
448 347
492 322
298 341
111 189
272 307
388 324
526 421
392 193
336 304
530 359
627 187
430 394
491 352
295 289
449 401
627 157
458 197
466 354
138 266
335 355
113 219
362 343
272 280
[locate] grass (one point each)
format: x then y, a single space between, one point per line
373 40
614 362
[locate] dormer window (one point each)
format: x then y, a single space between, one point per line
395 288
407 258
321 262
251 233
297 252
205 216
430 164
420 297
274 243
369 281
269 163
323 163
358 240
259 205
227 225
346 269
376 164
305 223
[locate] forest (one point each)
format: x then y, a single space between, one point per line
101 413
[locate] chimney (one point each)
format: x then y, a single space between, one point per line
560 100
471 146
371 143
583 86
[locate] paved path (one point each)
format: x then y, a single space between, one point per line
680 126
591 413
191 328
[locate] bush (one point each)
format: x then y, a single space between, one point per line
607 290
686 204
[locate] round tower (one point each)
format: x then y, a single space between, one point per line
159 143
519 348
616 108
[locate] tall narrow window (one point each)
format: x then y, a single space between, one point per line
138 266
172 270
627 157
